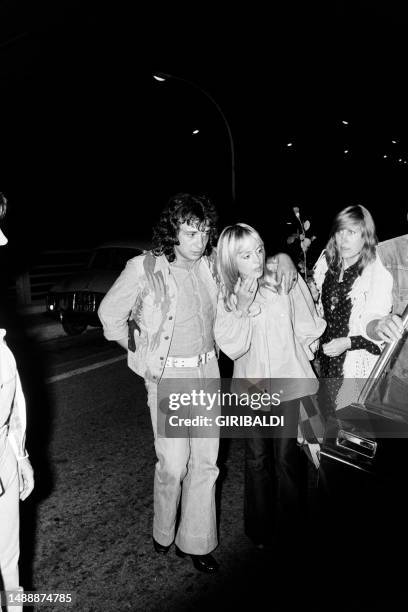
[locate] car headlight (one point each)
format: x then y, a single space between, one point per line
51 303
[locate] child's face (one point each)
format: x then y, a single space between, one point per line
250 258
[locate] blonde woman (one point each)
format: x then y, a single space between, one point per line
269 335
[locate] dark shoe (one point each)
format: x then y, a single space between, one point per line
202 563
159 548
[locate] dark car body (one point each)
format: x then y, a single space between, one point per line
360 497
75 300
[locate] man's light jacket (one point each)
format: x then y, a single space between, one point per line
141 305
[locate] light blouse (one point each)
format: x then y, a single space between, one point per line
276 340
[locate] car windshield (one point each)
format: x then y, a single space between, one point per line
112 258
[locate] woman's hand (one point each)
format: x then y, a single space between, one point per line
336 347
26 477
245 291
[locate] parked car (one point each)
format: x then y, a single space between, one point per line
75 300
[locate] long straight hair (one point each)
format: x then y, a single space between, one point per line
352 215
228 246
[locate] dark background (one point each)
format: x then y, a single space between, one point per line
92 147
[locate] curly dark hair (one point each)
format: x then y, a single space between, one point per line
198 211
3 205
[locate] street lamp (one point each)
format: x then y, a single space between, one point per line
161 77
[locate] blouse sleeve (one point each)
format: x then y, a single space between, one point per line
308 326
319 274
233 330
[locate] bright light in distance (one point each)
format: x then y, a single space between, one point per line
158 78
196 131
345 122
346 151
385 156
289 144
400 160
394 141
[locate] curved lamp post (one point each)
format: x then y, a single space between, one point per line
161 76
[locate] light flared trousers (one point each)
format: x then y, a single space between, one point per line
186 468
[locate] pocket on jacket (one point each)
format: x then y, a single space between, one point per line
151 313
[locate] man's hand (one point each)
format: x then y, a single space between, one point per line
389 328
245 291
313 289
336 347
286 273
26 477
270 279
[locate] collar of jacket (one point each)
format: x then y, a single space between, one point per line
154 264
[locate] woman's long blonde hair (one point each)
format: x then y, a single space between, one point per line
352 215
228 246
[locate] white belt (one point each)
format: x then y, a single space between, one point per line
189 362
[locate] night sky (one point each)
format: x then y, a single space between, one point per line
92 146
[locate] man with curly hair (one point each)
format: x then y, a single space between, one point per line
167 300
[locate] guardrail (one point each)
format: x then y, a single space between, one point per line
31 286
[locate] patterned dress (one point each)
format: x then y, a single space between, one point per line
337 307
